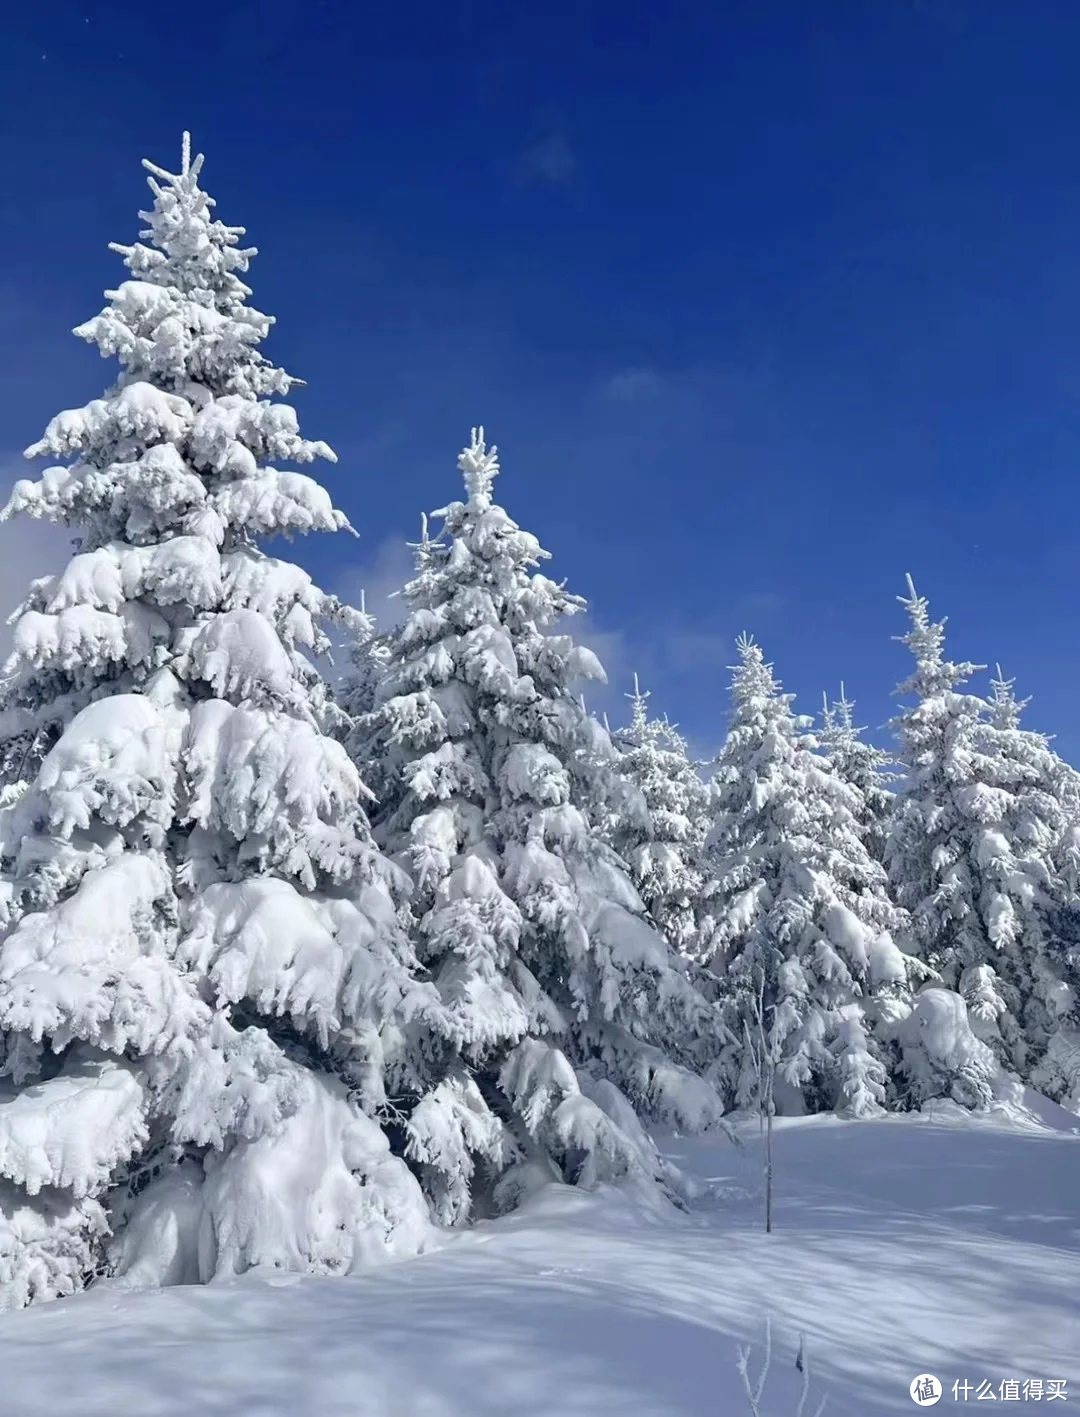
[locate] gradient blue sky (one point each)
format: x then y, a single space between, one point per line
765 302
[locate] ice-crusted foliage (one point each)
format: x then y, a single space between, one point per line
609 799
940 1055
864 767
20 752
562 998
979 854
796 912
662 847
203 970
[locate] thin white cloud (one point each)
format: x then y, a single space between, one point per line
759 603
686 651
377 582
549 159
633 386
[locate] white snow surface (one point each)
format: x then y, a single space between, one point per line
945 1244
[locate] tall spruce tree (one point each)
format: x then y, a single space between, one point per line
975 850
663 845
926 851
570 1015
797 919
1057 1073
1030 894
204 980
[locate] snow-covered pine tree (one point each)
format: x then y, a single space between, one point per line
796 914
1036 909
204 981
866 768
975 853
571 1016
1058 1073
662 849
926 852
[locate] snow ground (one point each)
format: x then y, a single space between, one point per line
948 1246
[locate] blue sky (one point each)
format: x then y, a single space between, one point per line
765 302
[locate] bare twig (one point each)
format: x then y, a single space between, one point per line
763 1056
755 1388
802 1362
754 1391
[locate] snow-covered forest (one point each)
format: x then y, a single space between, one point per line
319 936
